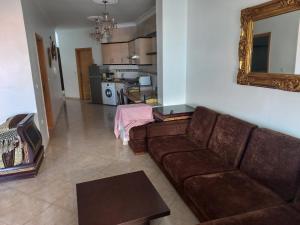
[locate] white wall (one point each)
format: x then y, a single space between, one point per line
284 41
69 40
213 39
160 66
172 50
37 22
297 63
16 86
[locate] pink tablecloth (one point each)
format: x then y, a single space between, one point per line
129 116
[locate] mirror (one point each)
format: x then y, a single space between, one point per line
269 50
276 47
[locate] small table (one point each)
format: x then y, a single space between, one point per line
129 199
171 113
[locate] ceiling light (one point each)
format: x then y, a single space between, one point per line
104 24
109 2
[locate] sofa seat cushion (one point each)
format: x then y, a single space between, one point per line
282 215
181 166
162 146
227 194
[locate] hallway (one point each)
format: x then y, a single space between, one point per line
82 148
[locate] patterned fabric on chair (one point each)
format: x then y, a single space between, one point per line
11 147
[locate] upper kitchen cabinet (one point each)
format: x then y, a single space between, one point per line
115 53
133 52
138 50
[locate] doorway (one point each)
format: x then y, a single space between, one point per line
261 53
84 58
44 79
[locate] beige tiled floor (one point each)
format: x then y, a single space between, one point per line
82 148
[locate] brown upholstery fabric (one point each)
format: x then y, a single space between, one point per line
227 194
229 139
273 159
282 215
138 133
183 165
162 146
201 126
297 206
296 203
138 146
167 128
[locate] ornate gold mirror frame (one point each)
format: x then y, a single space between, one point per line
285 82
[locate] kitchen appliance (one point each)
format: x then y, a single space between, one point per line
145 81
109 94
95 83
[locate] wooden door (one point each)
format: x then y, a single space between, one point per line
44 79
84 58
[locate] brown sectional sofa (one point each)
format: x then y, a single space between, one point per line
227 170
281 215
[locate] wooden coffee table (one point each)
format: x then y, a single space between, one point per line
128 199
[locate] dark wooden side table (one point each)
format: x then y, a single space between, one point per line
171 113
128 199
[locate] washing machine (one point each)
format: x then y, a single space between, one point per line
109 94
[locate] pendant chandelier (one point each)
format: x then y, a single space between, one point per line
104 25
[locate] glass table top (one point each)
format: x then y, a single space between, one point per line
173 110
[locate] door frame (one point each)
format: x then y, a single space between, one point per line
42 64
79 76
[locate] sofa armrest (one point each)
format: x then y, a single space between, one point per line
171 128
138 133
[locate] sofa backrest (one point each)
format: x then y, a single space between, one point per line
201 126
229 139
273 159
296 203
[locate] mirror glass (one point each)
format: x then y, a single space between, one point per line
276 44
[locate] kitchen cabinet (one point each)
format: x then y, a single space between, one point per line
138 50
115 53
133 52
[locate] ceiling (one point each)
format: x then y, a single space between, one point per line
74 13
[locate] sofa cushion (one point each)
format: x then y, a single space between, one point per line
273 159
181 166
229 139
169 128
227 194
162 146
296 203
282 215
297 206
201 126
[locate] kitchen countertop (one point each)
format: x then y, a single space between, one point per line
124 81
